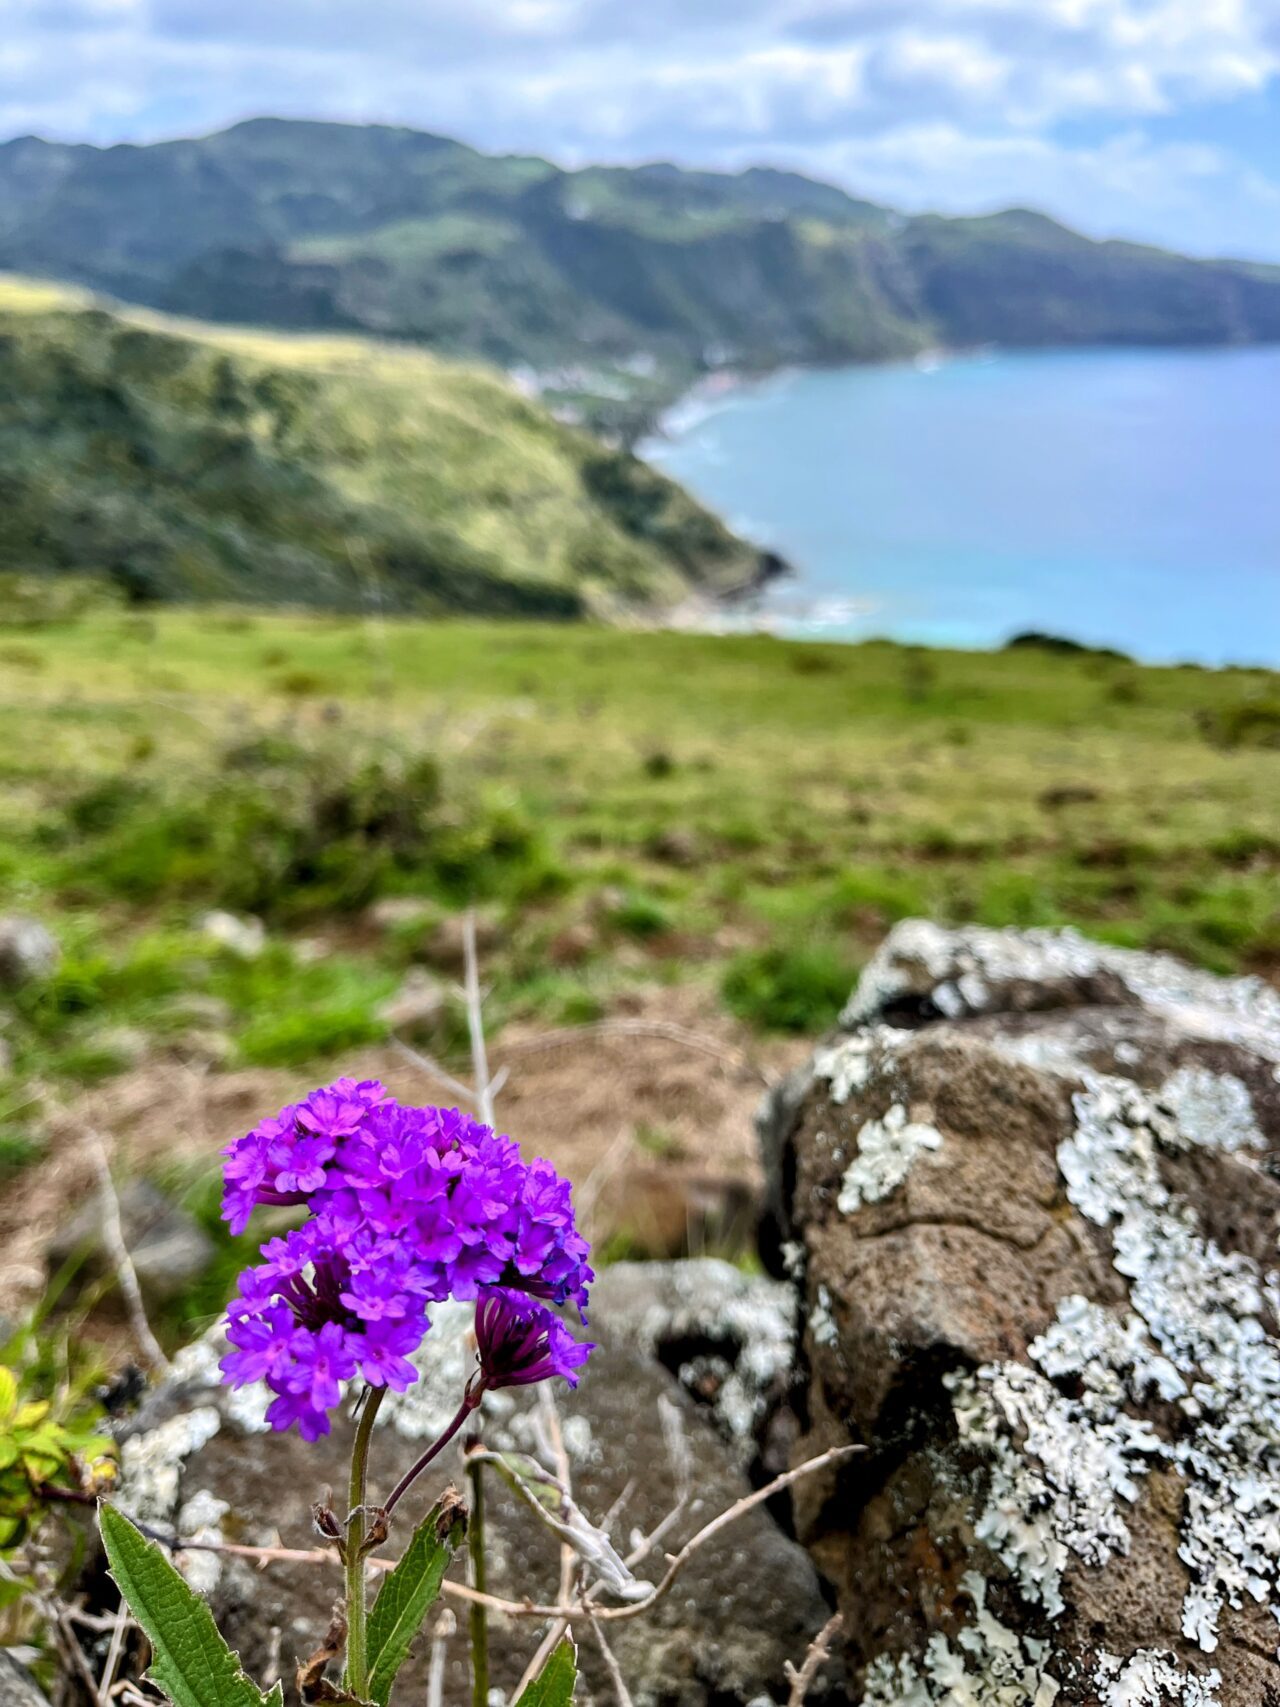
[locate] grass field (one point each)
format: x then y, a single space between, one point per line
742 812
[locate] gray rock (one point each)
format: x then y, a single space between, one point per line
28 951
197 1457
246 938
168 1247
1031 1194
17 1686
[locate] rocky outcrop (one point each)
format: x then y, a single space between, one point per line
1030 1193
696 1341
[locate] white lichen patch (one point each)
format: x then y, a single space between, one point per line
201 1520
151 1462
196 1366
1063 1469
1153 1678
849 1065
444 1361
1212 1110
822 1324
708 1299
1201 1308
887 1149
987 1665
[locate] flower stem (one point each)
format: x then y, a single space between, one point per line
479 1582
470 1400
357 1662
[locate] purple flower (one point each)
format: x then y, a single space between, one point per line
521 1342
405 1207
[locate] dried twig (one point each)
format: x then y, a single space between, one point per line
475 1020
445 1626
427 1065
616 1678
119 1625
126 1274
65 1639
815 1654
587 1195
555 1440
528 1608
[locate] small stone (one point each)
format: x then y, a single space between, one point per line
417 1007
168 1246
244 937
393 911
27 951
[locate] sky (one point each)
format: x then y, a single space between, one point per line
1152 119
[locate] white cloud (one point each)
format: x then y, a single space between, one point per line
955 103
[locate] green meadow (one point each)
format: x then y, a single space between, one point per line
624 808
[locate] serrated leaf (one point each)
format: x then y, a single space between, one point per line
192 1663
554 1684
408 1591
8 1451
8 1394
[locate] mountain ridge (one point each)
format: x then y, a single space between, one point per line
631 280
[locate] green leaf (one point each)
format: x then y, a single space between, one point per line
192 1663
408 1591
553 1686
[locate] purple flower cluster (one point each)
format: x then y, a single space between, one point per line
407 1206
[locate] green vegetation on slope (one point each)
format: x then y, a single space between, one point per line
393 231
754 833
193 463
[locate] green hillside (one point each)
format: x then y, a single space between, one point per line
332 471
622 272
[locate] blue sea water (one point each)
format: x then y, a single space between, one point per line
1125 498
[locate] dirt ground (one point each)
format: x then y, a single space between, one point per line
649 1113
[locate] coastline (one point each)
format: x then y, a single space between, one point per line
942 571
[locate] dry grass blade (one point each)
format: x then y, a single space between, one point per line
616 1678
126 1274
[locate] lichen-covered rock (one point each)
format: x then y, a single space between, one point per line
696 1335
1030 1194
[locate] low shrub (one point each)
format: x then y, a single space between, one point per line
288 832
799 987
